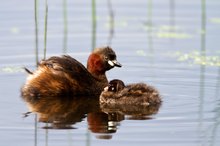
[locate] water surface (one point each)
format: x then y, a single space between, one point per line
172 45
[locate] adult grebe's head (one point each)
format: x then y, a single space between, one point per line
102 60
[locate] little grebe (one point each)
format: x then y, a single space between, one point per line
65 76
133 94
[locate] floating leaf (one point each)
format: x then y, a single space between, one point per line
215 20
173 35
196 58
141 53
15 30
11 69
123 23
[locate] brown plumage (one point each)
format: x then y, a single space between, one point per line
133 94
64 77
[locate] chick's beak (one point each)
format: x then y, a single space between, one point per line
106 88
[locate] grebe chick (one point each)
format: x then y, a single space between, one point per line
133 94
66 77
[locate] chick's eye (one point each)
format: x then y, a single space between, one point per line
111 88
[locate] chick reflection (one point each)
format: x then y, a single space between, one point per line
63 113
142 112
104 123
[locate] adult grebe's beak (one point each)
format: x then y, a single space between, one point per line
114 63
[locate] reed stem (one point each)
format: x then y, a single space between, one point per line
93 24
203 28
150 33
111 22
65 30
45 28
36 29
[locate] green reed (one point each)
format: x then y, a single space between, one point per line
111 23
65 30
172 17
36 29
93 24
45 28
150 33
35 130
203 27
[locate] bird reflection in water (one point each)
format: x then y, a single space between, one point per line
103 119
61 114
104 124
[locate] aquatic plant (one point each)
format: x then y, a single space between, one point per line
11 69
195 57
167 31
141 53
65 30
111 23
176 32
36 29
45 28
175 35
215 20
150 24
93 24
15 30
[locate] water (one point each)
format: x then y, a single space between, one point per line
162 43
